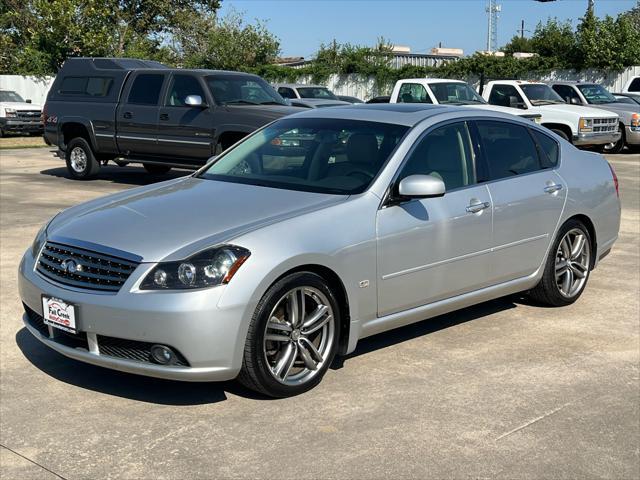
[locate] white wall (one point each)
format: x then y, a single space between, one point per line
32 88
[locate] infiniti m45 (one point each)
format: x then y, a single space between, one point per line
318 230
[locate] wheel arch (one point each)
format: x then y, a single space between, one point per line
70 128
559 126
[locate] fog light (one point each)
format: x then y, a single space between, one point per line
162 355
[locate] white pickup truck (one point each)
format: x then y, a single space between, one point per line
583 126
18 115
447 92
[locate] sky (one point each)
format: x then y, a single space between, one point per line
302 25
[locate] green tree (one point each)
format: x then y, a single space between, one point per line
518 44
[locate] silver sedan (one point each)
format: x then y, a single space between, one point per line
318 230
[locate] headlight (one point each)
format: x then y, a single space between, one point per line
10 112
212 267
38 242
635 121
586 124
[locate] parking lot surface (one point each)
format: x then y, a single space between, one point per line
503 389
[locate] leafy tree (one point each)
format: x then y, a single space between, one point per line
518 44
555 40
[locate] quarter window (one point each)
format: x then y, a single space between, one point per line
413 93
508 149
549 149
181 87
91 86
146 89
506 96
444 153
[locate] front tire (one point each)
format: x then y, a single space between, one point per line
568 266
616 147
81 162
292 338
561 134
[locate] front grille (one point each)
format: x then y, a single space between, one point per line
90 270
605 125
132 350
36 321
28 115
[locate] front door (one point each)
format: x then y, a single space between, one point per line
185 132
137 115
435 248
528 195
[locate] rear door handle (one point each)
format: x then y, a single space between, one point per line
478 207
164 116
553 188
127 115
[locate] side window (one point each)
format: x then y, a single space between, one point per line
445 153
413 93
566 92
92 86
635 85
286 92
146 89
549 149
181 87
508 149
505 96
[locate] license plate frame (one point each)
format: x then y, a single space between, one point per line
60 314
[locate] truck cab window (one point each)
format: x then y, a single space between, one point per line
181 87
413 93
146 89
506 96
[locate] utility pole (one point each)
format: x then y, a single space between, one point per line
522 29
492 31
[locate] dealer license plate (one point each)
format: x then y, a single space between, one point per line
59 314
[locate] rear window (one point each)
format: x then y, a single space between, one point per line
90 86
635 85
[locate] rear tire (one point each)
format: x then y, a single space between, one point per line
81 162
156 169
288 347
568 265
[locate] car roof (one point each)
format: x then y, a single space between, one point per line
297 85
408 114
432 80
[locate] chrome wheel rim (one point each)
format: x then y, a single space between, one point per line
572 263
299 335
78 160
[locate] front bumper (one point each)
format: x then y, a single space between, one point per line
9 125
582 139
210 338
632 135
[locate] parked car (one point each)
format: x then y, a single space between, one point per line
125 110
440 91
628 98
379 99
308 96
349 99
582 126
633 85
270 260
18 115
596 96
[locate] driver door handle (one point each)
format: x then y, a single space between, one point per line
478 207
127 115
553 188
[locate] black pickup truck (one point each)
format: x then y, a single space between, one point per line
135 111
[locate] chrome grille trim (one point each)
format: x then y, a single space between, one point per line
98 271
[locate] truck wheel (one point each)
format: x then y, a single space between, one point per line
156 169
81 162
561 133
616 147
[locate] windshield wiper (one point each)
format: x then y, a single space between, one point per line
271 102
240 102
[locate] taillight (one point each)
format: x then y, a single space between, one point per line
615 180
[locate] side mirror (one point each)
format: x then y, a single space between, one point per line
575 101
514 103
421 186
193 101
28 100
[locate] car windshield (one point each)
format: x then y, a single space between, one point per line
8 96
242 90
455 93
328 155
541 94
596 94
316 92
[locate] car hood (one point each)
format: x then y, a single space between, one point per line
172 220
587 112
625 109
21 105
318 102
268 112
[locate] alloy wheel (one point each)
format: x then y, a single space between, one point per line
573 260
78 160
299 335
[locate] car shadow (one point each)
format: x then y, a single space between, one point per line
129 175
425 327
126 385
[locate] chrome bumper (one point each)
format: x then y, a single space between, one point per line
596 138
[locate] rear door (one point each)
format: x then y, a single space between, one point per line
185 132
527 194
137 114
